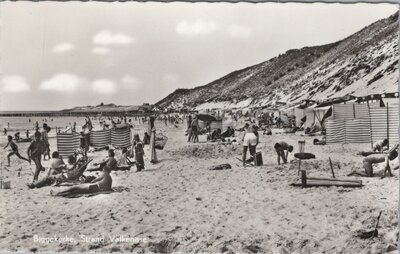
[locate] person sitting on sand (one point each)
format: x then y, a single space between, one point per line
370 160
250 141
280 149
99 184
379 146
123 160
35 151
14 150
110 162
57 166
230 132
16 137
267 131
215 135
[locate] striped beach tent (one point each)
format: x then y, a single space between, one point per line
67 143
100 138
121 137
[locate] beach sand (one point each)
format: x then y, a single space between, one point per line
178 205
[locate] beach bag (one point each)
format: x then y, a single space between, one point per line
160 141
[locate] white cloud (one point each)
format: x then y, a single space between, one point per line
104 86
130 82
107 38
14 84
239 31
63 47
62 82
198 27
100 50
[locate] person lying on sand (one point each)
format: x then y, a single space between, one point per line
319 142
101 183
280 149
371 160
14 150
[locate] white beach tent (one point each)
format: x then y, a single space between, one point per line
315 115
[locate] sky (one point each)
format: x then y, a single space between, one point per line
57 55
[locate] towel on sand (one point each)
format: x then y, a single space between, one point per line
113 190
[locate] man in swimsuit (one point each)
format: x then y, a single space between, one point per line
370 160
379 146
280 149
35 151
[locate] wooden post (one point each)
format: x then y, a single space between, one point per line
298 172
330 162
303 179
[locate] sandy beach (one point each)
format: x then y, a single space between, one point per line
178 205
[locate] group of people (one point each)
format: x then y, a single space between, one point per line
39 147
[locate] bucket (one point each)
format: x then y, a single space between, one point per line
302 146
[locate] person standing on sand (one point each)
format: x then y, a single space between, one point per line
35 151
5 131
195 130
27 133
139 152
45 138
250 141
152 130
14 149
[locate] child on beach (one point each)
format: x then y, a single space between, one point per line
14 149
139 152
35 151
280 149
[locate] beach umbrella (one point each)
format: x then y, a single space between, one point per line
206 117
